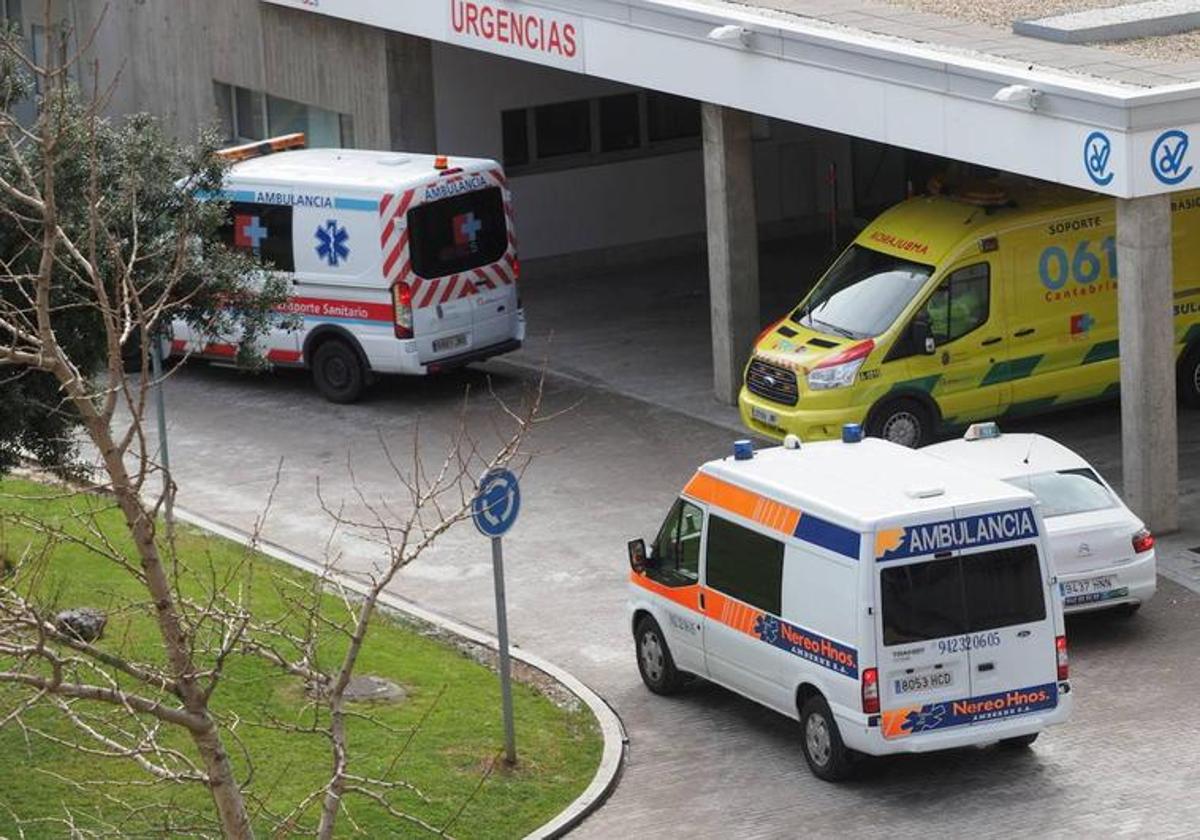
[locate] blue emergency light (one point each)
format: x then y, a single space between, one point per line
852 433
982 431
743 450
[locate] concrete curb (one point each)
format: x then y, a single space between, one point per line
612 759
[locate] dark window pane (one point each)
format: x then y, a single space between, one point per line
1003 588
620 125
922 601
671 117
563 129
223 94
515 128
264 230
676 552
744 564
457 234
346 130
249 108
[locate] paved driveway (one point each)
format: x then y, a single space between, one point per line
706 764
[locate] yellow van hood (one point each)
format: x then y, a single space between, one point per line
803 351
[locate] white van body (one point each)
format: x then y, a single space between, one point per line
355 227
850 536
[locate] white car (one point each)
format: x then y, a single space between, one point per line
1103 555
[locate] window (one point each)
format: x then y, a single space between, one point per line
247 115
620 123
960 304
264 230
744 564
671 117
459 233
563 129
515 128
939 598
1068 491
862 294
676 550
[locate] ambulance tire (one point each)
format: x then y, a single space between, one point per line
1020 742
1189 377
828 757
337 372
654 659
904 420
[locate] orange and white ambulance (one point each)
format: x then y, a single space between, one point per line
887 599
400 263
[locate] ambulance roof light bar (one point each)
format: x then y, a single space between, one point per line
263 147
982 431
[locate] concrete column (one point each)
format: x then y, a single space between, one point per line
410 93
1149 440
732 244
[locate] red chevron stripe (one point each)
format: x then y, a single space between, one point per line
428 299
451 288
385 203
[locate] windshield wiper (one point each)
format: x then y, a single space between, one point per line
842 331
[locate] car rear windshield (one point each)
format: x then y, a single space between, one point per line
957 595
862 294
458 233
1068 491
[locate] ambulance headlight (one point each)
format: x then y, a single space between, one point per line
839 370
835 376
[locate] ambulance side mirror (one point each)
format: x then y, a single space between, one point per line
637 555
921 335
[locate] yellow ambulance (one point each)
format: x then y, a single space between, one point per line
993 301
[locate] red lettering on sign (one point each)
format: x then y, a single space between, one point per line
569 48
527 30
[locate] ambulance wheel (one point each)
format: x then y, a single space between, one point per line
904 421
654 659
337 372
1189 378
1020 742
827 756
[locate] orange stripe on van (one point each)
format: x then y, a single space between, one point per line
685 596
746 503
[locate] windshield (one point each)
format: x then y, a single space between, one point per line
1068 491
862 294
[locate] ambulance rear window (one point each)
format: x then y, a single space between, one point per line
939 598
458 233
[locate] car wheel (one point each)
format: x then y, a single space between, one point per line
1020 742
821 741
902 421
1189 378
654 659
337 372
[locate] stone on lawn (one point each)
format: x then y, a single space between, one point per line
84 623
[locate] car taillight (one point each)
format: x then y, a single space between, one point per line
1143 540
870 691
1064 664
402 304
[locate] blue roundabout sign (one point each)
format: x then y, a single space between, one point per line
497 503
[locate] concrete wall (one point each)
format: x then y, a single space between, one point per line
616 204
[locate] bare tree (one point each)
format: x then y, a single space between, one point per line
106 240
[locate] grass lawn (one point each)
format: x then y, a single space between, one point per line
455 737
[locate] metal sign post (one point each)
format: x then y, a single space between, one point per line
495 510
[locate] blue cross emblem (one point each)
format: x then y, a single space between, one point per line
331 243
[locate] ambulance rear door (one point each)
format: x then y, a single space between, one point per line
452 240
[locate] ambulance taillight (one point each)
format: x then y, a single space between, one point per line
402 305
1064 662
870 691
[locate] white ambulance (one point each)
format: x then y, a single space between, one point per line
400 263
888 600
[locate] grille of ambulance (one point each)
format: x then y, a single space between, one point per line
775 383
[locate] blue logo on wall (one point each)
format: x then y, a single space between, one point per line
1097 150
331 243
1167 157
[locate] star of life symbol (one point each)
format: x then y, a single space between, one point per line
331 243
929 717
766 627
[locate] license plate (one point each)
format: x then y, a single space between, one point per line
764 416
1088 586
914 683
450 342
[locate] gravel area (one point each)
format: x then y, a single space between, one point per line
1001 13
